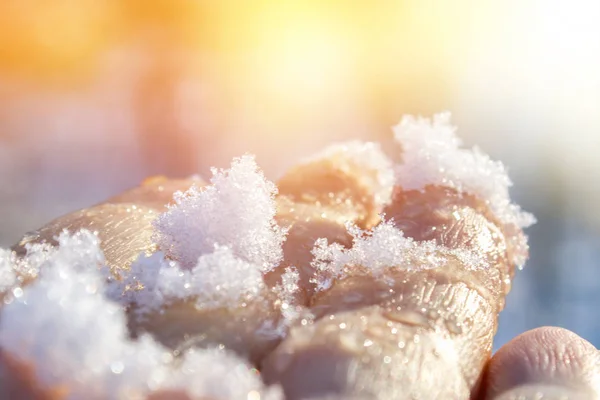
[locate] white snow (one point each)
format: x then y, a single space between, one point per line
76 338
218 280
237 210
216 374
8 275
216 243
432 155
367 157
380 249
286 293
15 270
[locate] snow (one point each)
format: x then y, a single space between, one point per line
432 156
216 374
216 243
364 156
8 275
286 293
236 210
380 249
218 280
75 337
14 271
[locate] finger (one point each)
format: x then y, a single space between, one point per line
155 192
18 381
430 331
207 287
170 395
239 328
412 319
246 329
123 223
346 183
125 227
182 325
544 363
352 181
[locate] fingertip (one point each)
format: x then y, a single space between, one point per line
548 360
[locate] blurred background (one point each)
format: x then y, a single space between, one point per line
96 95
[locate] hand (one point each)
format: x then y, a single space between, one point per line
412 332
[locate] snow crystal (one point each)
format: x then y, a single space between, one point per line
366 156
80 251
219 279
223 376
237 210
222 278
139 284
15 270
77 339
65 327
381 248
286 292
8 275
432 156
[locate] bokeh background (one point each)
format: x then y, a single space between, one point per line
96 95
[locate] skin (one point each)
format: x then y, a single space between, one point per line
428 334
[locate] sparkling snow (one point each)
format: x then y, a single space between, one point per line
219 279
76 338
381 248
236 210
432 156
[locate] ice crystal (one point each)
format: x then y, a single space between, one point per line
432 155
286 291
237 210
380 249
219 279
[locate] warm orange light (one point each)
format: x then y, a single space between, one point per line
302 58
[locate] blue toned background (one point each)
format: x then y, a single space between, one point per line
95 96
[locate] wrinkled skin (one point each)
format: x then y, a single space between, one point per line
426 334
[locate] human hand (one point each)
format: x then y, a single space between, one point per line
379 317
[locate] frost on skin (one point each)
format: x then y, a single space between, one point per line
380 249
75 338
367 156
236 210
219 279
432 156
